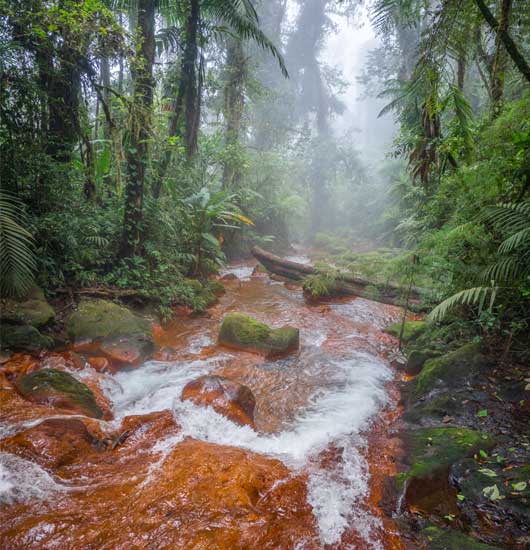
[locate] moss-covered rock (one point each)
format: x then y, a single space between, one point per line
435 449
98 319
58 389
31 309
450 370
417 358
433 409
411 330
445 539
36 313
122 336
23 338
243 332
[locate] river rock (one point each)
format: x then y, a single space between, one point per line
196 495
243 332
32 309
58 389
225 396
119 334
430 454
23 338
54 442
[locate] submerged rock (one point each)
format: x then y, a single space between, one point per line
225 396
201 495
243 332
54 442
120 335
58 389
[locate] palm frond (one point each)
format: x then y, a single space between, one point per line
242 17
17 259
515 241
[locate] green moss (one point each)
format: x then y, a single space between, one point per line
242 331
445 539
411 330
417 358
434 449
22 338
435 408
31 312
451 369
42 386
98 319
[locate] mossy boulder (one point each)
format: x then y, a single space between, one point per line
434 449
424 485
58 389
445 539
416 359
23 338
243 332
121 335
411 331
98 319
449 371
32 309
437 408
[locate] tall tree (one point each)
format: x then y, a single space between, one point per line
140 129
498 75
234 103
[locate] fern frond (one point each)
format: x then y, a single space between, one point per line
469 296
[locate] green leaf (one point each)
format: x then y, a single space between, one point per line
488 472
492 493
521 486
482 413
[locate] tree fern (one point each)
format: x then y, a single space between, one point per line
17 259
513 265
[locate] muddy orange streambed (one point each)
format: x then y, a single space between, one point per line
170 474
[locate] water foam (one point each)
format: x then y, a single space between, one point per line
22 480
335 415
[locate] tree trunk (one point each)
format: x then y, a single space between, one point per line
188 99
509 44
500 60
234 103
138 150
105 94
344 283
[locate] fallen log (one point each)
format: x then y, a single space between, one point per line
338 283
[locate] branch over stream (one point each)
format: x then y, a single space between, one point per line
341 284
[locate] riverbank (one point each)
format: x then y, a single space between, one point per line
464 469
